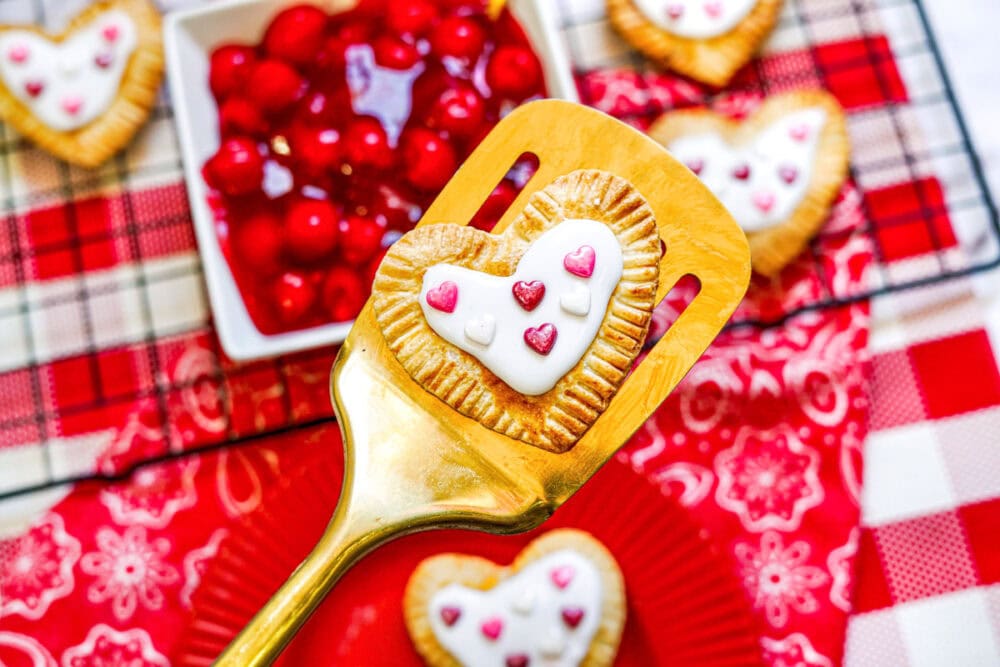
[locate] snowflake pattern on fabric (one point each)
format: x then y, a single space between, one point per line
36 568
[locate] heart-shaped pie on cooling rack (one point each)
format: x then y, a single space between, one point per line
561 602
82 94
531 331
708 40
778 172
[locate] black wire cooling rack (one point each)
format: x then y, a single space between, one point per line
911 131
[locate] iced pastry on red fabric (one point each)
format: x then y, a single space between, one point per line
562 601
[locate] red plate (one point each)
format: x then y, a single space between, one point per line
685 605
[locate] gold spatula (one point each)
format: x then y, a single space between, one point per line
413 463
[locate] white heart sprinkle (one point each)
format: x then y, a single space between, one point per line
552 646
576 302
481 330
524 604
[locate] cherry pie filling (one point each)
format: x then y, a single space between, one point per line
337 131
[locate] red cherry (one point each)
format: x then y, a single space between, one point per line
317 149
367 145
296 34
323 108
240 116
343 294
458 37
495 206
410 17
258 243
395 54
237 168
294 296
229 69
458 110
430 160
311 229
360 238
274 85
514 71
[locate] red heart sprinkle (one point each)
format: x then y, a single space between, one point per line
34 88
580 262
741 172
443 297
675 11
713 9
104 60
450 615
696 166
529 294
541 339
572 616
563 575
110 33
764 201
18 53
492 628
799 132
788 174
519 660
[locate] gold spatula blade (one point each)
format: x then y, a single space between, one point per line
412 463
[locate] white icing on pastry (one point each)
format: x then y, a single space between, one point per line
761 182
695 19
531 611
509 355
68 84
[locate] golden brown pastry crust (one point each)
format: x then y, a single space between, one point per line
92 144
773 248
556 419
713 60
437 572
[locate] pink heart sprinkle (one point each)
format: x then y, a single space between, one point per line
572 616
764 201
18 53
528 294
104 60
696 166
713 9
34 88
788 174
799 132
491 628
541 339
72 104
580 262
675 11
443 297
563 575
741 172
110 33
450 615
519 660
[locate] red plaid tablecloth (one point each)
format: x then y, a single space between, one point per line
107 358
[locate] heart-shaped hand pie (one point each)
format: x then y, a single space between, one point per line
708 40
82 94
532 331
562 602
778 172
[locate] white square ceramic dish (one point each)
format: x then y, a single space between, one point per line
190 37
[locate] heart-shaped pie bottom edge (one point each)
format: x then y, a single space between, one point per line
478 573
772 249
92 144
555 420
713 60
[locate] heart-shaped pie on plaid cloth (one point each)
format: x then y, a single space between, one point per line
708 40
562 602
778 172
82 94
531 331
